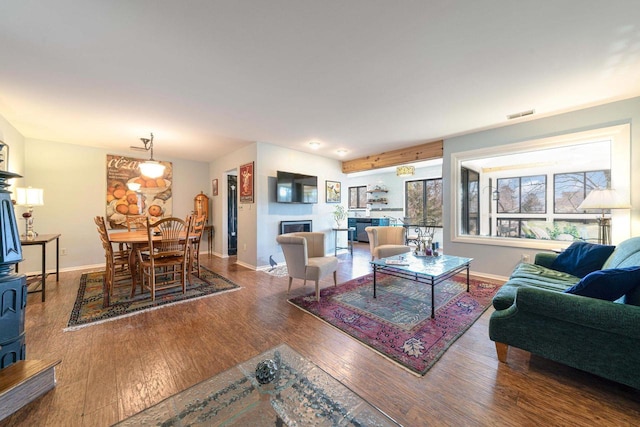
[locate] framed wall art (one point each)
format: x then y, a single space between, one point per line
129 193
333 191
214 186
246 183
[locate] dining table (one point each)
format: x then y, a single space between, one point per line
135 240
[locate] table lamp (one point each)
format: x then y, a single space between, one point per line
604 199
29 197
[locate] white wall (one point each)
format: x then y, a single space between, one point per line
500 260
247 216
273 158
258 222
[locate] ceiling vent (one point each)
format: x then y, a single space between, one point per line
520 114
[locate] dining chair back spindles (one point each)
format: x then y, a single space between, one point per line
164 264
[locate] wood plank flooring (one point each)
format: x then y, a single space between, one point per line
113 370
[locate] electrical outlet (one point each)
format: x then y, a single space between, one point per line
525 258
63 251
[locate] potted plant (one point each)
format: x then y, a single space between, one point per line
339 214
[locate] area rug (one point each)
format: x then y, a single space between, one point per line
398 324
88 309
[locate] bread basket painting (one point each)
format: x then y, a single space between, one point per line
129 193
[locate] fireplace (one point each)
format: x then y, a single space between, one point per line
295 226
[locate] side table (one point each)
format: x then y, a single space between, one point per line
350 237
42 240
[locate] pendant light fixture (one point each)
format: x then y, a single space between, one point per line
405 171
151 168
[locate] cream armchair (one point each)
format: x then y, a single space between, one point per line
386 241
304 254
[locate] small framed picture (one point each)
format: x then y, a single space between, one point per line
246 183
333 191
214 186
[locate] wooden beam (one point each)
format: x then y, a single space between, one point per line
428 151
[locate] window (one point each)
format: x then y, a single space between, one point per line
538 186
525 194
423 199
570 189
358 197
470 201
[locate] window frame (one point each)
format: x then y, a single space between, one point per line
425 199
359 189
620 136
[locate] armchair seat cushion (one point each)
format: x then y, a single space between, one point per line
320 267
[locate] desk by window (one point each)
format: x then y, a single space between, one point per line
42 241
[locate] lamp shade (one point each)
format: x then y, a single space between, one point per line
604 199
152 169
29 196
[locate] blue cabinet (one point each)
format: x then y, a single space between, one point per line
361 223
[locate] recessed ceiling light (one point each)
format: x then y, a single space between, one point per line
314 144
342 152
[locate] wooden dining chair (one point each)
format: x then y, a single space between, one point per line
117 268
165 264
136 222
197 229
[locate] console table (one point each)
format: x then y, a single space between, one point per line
42 240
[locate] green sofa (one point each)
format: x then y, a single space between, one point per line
602 337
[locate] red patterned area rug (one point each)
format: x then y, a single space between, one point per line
398 323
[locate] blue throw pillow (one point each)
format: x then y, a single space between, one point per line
607 284
581 258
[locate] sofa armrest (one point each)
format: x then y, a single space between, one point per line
545 259
622 319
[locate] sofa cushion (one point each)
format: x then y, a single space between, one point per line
627 254
607 284
581 258
543 275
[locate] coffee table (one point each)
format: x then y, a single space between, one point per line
300 394
430 270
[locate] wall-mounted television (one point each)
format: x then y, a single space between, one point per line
296 188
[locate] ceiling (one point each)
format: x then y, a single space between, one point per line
209 77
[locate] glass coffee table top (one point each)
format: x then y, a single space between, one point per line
433 266
299 394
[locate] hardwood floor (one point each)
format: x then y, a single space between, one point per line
113 370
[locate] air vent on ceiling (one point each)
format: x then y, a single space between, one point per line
520 114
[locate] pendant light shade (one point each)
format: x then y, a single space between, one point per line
151 168
403 171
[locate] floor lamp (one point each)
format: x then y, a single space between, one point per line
603 199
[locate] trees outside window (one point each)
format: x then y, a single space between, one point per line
570 189
423 200
358 197
525 194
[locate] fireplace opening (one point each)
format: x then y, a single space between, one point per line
295 226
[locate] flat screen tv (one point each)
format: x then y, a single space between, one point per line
296 188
